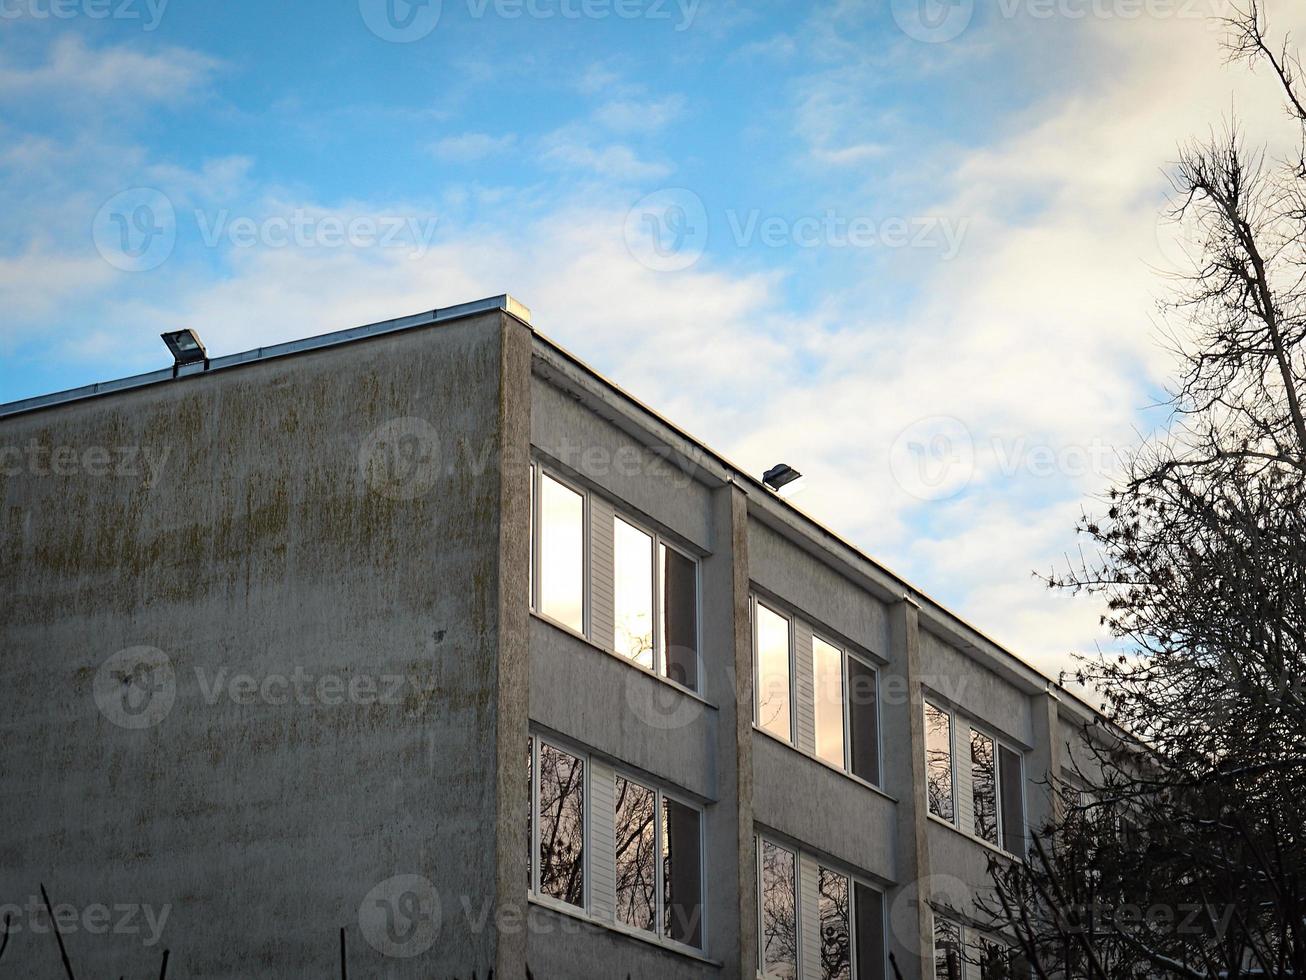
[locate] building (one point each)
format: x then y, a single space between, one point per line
423 642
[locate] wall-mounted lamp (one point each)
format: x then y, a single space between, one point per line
186 347
783 479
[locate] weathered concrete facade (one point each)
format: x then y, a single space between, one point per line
280 681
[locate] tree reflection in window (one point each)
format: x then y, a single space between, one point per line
836 941
779 921
562 826
938 762
636 856
984 786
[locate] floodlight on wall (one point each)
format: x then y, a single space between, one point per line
783 479
186 347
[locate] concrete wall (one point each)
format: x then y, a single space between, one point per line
268 538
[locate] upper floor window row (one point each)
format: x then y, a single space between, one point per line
989 777
844 712
635 593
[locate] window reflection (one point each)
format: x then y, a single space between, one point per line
632 590
836 942
636 859
772 656
682 883
562 825
779 921
562 553
679 616
984 787
863 721
947 949
938 762
827 668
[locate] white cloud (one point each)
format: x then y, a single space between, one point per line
121 77
639 116
572 147
468 147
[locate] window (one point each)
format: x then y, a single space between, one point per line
655 613
632 591
984 786
846 711
947 949
659 863
636 858
558 823
558 580
828 692
849 923
682 873
1011 779
773 660
679 616
993 960
778 884
938 762
835 905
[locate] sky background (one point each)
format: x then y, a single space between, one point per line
910 247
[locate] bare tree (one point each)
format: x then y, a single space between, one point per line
1181 846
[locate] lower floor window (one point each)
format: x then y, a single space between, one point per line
848 919
658 863
558 823
963 953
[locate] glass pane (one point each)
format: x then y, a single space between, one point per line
682 878
680 616
773 672
870 932
636 858
562 826
984 788
947 949
993 961
632 592
779 921
836 946
863 721
938 762
1013 800
562 554
827 680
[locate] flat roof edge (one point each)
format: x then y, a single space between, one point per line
503 302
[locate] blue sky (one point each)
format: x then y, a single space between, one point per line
916 258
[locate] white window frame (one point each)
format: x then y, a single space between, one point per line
844 654
853 881
659 601
760 840
755 600
952 759
538 471
536 741
998 743
660 891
